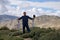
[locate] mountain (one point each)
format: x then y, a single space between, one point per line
48 21
44 21
7 17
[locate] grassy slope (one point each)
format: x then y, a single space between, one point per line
35 34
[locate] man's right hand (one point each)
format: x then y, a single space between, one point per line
34 16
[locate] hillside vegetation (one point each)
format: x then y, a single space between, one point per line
35 34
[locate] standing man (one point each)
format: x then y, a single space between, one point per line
25 21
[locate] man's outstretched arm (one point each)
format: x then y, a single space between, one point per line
30 18
20 18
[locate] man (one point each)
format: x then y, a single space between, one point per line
25 21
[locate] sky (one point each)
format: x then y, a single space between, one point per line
32 7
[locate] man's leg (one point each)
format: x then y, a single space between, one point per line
23 28
28 29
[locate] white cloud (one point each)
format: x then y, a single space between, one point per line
32 8
4 2
54 5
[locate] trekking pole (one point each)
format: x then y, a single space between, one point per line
33 24
18 25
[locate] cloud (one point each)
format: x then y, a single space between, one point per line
39 12
17 8
53 5
3 4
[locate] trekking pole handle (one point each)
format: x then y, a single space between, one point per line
34 16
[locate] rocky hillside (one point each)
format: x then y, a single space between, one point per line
48 21
44 21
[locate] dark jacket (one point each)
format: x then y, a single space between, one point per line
25 19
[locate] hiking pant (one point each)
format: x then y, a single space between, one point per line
27 26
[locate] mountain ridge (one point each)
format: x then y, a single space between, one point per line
7 17
43 21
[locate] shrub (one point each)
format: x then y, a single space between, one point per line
41 32
6 37
1 39
26 35
34 31
4 28
51 36
4 32
13 30
16 38
17 33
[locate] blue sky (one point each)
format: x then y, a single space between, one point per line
44 0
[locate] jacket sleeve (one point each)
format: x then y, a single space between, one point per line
20 18
30 18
